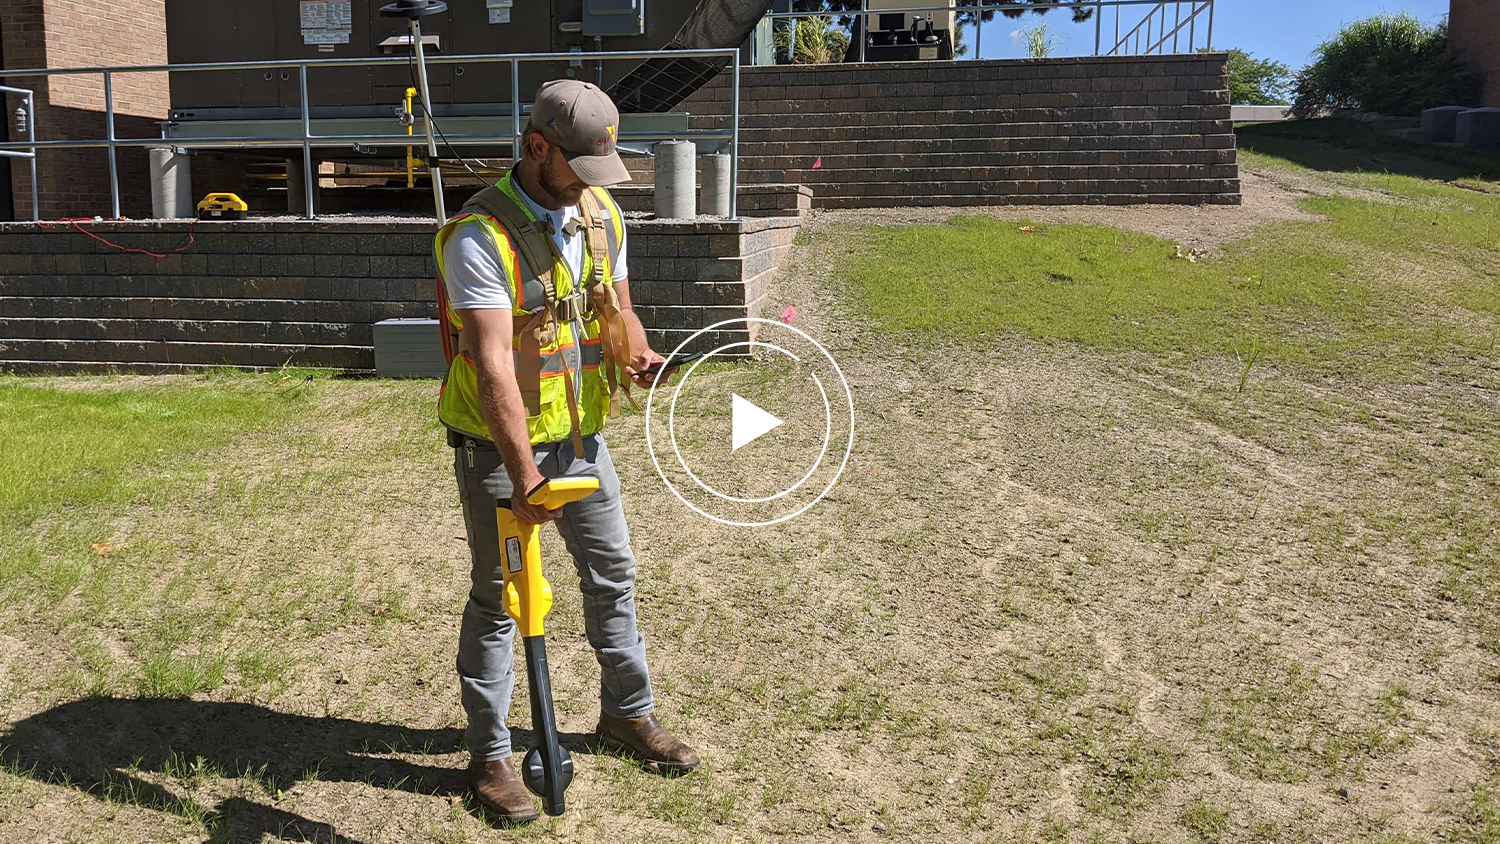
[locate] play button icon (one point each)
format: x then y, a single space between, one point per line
748 422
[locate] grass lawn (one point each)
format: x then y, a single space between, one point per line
1132 548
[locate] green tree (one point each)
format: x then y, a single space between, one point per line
1390 64
1255 81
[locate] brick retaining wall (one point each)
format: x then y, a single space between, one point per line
261 294
1086 130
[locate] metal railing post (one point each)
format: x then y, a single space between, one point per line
309 184
515 112
36 200
1193 28
1209 36
1177 23
109 135
1115 51
864 27
978 30
1098 25
734 145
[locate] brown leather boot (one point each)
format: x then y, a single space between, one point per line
647 740
500 792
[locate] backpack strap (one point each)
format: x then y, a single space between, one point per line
614 340
540 328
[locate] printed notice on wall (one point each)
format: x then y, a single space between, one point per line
326 22
499 15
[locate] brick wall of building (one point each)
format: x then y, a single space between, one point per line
1474 30
86 33
259 294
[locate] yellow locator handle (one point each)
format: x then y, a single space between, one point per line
528 595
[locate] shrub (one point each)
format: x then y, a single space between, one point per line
1390 64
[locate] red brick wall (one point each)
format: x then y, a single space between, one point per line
1474 27
84 33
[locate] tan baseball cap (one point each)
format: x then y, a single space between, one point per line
580 118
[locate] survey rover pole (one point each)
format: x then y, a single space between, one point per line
414 10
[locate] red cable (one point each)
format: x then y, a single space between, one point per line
77 221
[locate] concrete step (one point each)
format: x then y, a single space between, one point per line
223 310
987 199
39 282
984 150
876 79
826 182
180 330
196 354
1023 191
944 168
1065 95
992 123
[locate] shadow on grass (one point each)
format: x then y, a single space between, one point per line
1336 145
101 746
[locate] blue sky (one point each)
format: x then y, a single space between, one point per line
1285 30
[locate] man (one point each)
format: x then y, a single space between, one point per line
534 270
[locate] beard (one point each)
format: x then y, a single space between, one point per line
552 182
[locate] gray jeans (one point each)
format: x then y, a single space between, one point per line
595 535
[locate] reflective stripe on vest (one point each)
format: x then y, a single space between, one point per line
458 401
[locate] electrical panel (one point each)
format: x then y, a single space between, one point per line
614 17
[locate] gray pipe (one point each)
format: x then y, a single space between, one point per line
676 180
171 185
716 189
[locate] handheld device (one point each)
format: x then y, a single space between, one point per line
672 364
547 768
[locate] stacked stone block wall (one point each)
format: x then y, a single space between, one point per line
263 294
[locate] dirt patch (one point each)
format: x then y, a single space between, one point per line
1058 594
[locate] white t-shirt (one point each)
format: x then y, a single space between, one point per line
474 276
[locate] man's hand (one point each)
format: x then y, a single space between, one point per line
526 512
642 361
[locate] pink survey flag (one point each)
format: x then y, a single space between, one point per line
789 314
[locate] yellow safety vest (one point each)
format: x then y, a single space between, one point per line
569 335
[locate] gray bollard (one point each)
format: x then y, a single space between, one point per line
676 180
716 185
171 184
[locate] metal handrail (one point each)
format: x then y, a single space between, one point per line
1195 8
29 151
308 140
1098 6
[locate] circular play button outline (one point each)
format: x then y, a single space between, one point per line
848 447
672 424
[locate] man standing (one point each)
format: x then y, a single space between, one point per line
545 341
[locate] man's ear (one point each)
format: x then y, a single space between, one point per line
537 146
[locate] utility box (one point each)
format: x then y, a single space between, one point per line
614 17
1440 125
1479 128
409 348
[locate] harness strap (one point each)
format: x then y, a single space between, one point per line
530 239
614 340
539 329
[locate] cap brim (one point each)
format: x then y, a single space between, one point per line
600 170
